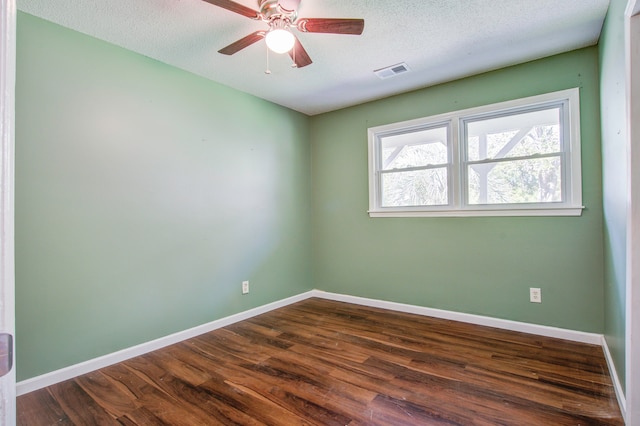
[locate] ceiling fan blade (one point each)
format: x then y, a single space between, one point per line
331 25
299 55
242 43
236 7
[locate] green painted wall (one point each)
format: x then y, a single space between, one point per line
615 178
474 265
144 196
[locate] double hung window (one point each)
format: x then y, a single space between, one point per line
514 158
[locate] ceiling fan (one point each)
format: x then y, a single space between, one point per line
282 15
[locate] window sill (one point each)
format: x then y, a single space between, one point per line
558 211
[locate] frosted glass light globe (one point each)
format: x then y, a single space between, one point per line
280 41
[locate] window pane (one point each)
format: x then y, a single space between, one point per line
515 135
524 181
415 149
415 188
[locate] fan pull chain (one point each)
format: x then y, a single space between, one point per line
268 70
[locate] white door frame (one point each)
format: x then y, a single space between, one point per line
632 356
7 121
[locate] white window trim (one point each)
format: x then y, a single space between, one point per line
570 207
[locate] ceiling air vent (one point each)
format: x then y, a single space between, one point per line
391 71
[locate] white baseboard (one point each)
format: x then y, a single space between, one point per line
72 371
541 330
622 402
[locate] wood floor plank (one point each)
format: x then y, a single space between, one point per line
115 400
141 416
320 362
79 406
39 408
252 403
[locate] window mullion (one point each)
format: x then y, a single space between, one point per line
455 187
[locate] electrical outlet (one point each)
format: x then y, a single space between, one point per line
535 295
245 287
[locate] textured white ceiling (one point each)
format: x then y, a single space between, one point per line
440 40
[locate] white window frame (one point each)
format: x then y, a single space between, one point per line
571 205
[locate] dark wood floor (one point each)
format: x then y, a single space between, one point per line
320 362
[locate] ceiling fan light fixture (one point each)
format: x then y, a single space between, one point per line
282 16
280 40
